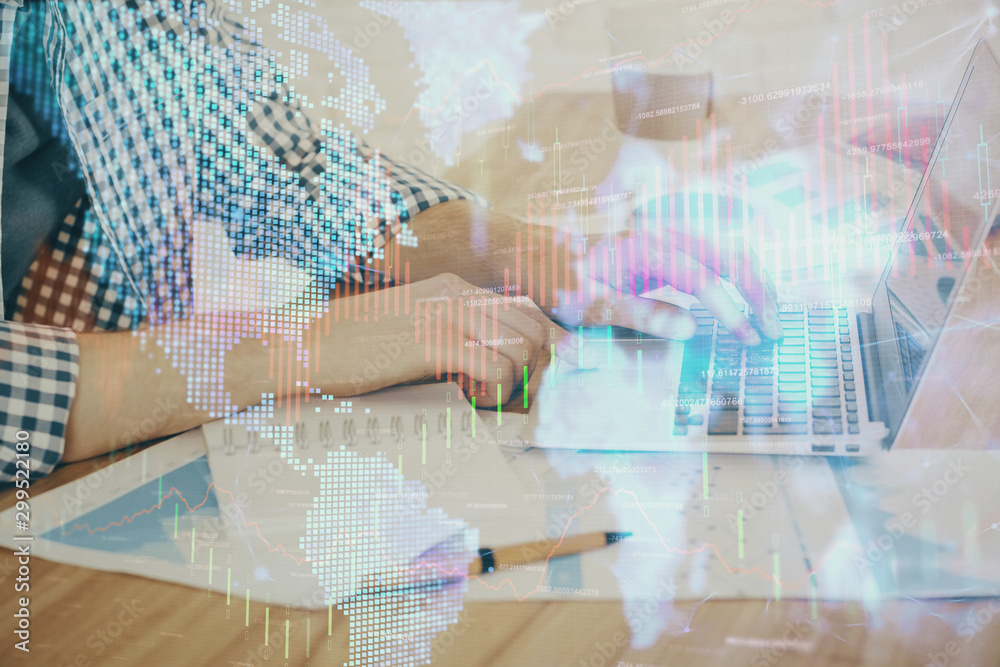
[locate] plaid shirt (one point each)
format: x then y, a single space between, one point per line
177 116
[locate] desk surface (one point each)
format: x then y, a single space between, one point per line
84 617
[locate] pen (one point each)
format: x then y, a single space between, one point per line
490 560
531 552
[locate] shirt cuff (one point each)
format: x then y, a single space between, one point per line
38 372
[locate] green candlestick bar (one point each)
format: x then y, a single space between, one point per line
525 387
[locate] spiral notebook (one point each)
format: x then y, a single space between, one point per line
372 482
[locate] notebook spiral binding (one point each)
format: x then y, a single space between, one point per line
351 435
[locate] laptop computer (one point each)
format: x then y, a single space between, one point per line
842 381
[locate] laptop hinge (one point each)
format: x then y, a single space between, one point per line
870 368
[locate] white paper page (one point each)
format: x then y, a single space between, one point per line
452 479
929 521
122 517
797 538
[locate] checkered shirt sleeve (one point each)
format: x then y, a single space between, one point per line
199 125
8 12
38 365
38 372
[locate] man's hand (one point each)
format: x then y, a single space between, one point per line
594 286
602 294
442 328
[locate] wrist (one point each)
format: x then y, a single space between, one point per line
248 377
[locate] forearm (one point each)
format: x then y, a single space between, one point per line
487 249
128 390
591 282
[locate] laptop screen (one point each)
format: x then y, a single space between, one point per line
943 234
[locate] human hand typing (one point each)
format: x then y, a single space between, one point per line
608 280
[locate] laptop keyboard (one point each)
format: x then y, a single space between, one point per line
803 384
